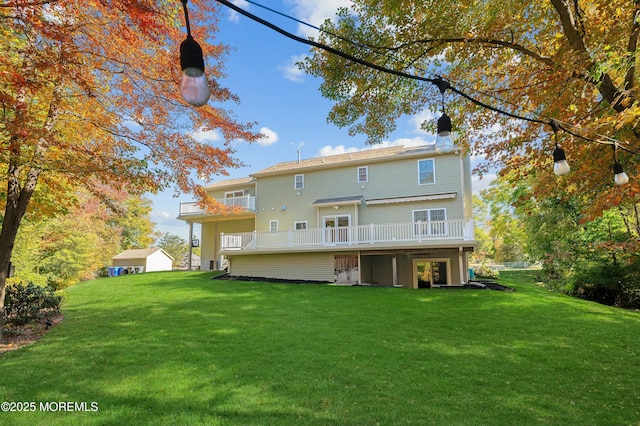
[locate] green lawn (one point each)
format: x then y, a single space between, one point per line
179 348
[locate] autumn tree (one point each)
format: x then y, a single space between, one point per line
132 220
569 61
90 96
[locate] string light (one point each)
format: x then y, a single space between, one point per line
561 166
619 176
444 140
193 86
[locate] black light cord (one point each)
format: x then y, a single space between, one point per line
186 17
438 81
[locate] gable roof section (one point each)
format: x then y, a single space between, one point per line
229 183
139 253
353 158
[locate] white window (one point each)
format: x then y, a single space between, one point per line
298 182
234 194
300 224
363 174
426 172
430 222
273 226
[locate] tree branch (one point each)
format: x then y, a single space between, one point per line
574 35
629 78
487 41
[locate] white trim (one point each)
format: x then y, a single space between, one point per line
433 161
415 262
366 175
234 194
305 222
295 181
336 234
433 227
445 196
271 222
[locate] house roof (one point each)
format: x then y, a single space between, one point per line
365 156
231 182
139 253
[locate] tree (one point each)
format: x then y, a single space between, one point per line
89 97
573 62
485 249
134 223
176 246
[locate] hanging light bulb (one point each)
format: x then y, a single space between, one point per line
560 165
444 140
620 177
193 87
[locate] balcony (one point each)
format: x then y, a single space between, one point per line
246 202
391 235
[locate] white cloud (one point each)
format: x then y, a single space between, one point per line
341 149
479 184
235 16
269 137
291 71
407 142
315 12
203 136
328 150
417 120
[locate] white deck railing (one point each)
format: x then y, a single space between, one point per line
391 233
247 202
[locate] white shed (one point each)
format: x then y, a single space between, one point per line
142 260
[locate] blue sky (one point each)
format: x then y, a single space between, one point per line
284 102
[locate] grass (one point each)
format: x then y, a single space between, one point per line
179 348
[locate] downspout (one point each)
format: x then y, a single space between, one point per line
190 245
463 277
216 264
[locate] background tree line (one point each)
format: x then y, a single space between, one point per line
77 244
593 258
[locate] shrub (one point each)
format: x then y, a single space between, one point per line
26 303
606 283
485 271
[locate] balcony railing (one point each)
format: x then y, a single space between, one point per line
247 202
387 234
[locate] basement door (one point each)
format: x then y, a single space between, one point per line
346 269
430 272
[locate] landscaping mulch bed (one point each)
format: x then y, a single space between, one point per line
18 337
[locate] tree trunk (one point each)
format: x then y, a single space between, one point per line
17 202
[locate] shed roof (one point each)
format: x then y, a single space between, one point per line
139 253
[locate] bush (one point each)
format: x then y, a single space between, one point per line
26 303
606 283
485 271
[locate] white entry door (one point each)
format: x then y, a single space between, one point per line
336 229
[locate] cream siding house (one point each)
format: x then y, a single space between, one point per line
392 217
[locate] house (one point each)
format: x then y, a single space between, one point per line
195 262
141 260
391 217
